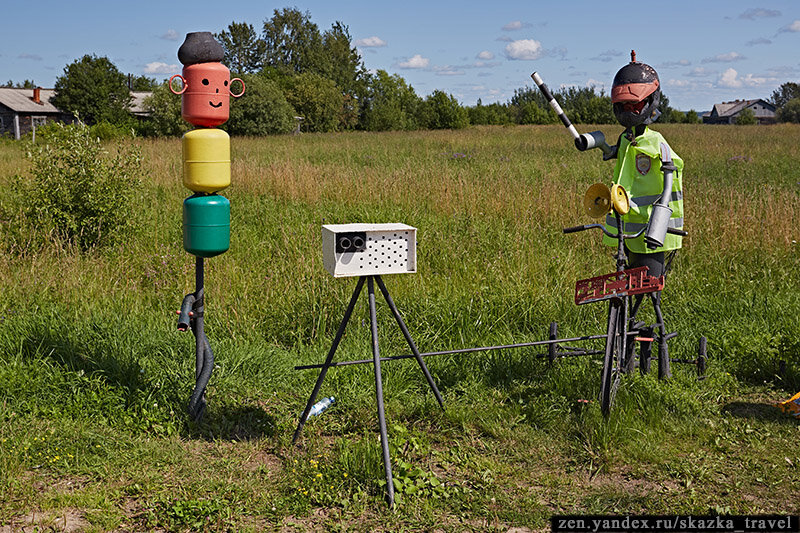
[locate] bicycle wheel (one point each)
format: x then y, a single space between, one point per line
611 361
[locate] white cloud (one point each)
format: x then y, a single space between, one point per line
606 56
725 58
591 82
678 83
730 79
417 61
171 35
371 42
759 12
760 40
486 55
158 67
679 63
447 71
794 27
524 49
516 25
700 72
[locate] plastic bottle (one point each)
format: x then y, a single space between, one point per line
321 405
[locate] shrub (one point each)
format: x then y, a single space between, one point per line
165 114
318 100
78 192
746 117
442 111
790 112
261 110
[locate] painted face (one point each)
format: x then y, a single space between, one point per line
206 99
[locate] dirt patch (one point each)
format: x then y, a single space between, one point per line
264 461
67 520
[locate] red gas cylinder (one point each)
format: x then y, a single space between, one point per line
206 93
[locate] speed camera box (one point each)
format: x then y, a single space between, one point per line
369 249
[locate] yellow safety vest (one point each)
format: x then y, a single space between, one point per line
638 169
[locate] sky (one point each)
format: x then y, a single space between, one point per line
705 51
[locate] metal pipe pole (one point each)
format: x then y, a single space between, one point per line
327 364
376 359
459 351
410 341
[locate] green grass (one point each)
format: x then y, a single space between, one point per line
94 377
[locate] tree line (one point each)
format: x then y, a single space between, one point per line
293 69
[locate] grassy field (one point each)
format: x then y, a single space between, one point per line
94 376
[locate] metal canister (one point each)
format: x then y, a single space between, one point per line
206 225
206 160
206 93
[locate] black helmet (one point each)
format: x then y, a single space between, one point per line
635 94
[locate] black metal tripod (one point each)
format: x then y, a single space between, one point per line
376 361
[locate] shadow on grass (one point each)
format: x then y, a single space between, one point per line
758 411
149 400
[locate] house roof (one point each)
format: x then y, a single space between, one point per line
21 100
728 109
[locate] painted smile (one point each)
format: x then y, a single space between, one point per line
212 104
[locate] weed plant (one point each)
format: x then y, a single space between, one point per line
94 377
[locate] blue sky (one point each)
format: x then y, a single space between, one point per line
704 51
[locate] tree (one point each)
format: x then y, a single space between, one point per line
391 104
667 114
95 90
318 100
746 117
784 93
496 114
27 84
261 110
244 50
165 113
141 83
692 117
442 111
292 41
341 61
790 111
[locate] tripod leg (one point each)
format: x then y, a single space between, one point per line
376 357
663 352
328 359
409 340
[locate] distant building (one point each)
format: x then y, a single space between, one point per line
727 112
24 110
137 104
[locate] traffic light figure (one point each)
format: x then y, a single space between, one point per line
205 102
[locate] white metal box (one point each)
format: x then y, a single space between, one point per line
369 249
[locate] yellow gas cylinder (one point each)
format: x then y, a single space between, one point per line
206 160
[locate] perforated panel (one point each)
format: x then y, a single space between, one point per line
388 249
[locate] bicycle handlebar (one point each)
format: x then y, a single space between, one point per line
575 229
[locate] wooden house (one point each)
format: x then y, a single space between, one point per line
727 112
24 110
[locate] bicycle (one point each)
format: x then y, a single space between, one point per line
622 331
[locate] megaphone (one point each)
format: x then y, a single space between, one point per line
599 200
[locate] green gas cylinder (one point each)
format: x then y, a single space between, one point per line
206 224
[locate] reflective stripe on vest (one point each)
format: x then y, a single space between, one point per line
637 226
641 201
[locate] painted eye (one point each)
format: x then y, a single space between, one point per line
226 83
205 81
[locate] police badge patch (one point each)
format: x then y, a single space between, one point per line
643 164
